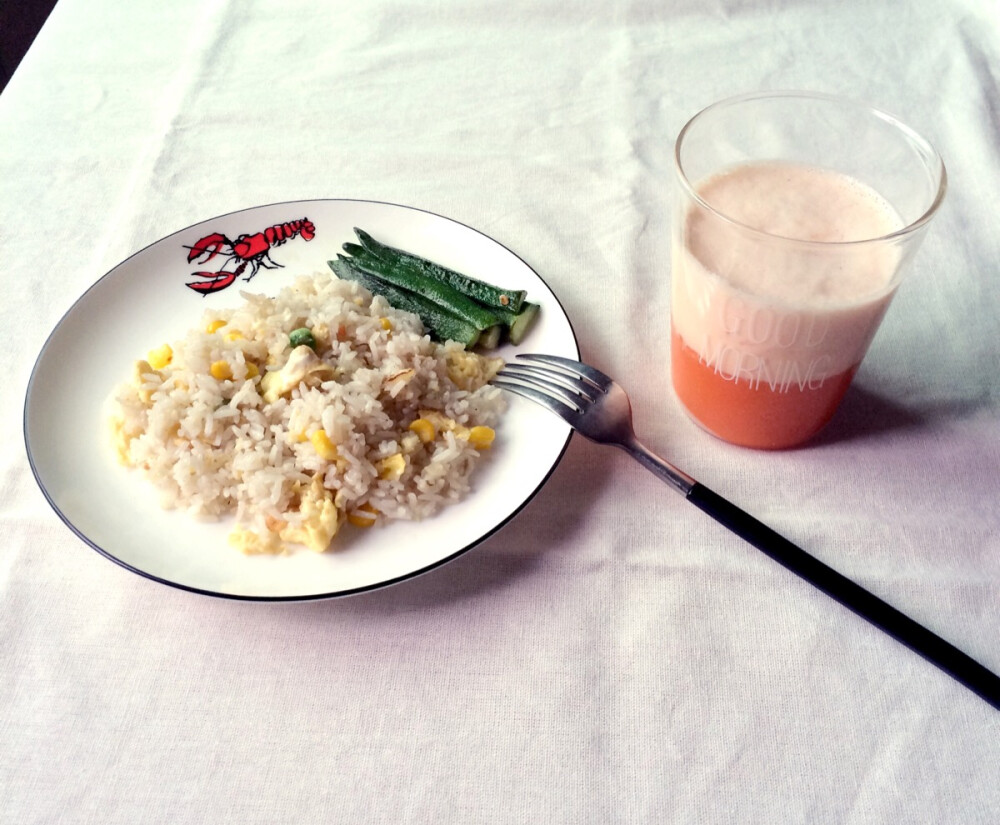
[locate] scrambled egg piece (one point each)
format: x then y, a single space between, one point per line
392 467
470 370
320 521
303 364
141 372
251 543
121 439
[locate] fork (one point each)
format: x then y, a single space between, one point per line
598 408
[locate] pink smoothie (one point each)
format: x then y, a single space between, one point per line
775 304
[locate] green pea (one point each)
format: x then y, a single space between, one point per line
300 336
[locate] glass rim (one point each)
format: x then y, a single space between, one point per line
915 138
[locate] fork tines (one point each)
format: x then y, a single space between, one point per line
550 379
568 366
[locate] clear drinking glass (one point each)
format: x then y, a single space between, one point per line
796 215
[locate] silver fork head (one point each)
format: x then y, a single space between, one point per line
593 404
587 399
574 369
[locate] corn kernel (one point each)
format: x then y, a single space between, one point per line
363 516
481 437
221 370
323 446
235 335
424 429
214 326
160 357
252 370
385 323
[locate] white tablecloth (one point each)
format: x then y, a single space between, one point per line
611 655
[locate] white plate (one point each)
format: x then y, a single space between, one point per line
144 301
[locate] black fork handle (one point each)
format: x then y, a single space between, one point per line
932 647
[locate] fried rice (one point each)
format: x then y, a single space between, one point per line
369 420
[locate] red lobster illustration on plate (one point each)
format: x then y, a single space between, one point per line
246 250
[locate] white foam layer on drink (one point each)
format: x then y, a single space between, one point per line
781 290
